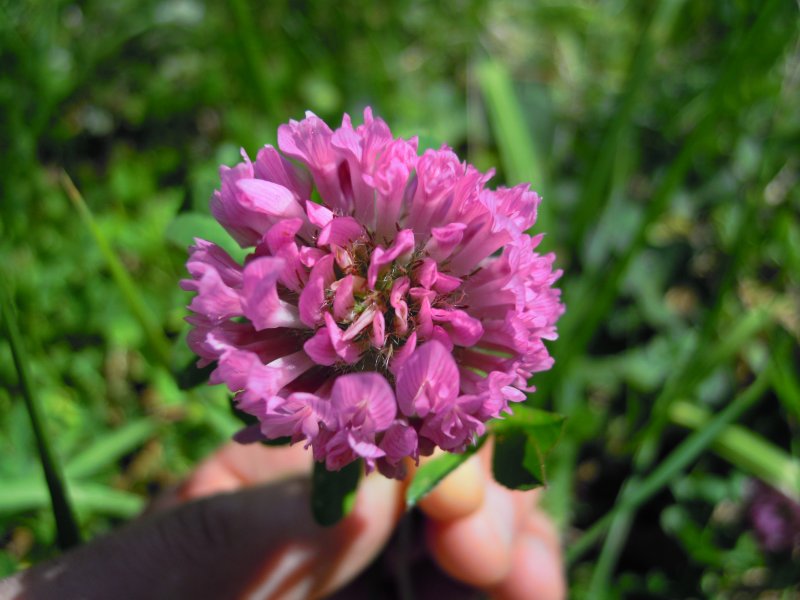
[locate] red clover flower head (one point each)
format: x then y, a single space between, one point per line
390 303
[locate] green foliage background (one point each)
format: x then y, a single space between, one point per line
664 136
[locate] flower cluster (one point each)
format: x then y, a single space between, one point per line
391 303
775 518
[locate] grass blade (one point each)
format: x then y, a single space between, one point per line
746 450
68 534
154 333
29 494
110 448
680 458
687 374
249 36
594 189
522 161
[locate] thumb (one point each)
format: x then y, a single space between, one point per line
257 543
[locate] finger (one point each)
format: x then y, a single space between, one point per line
359 538
260 542
477 549
316 565
540 525
536 572
457 495
235 466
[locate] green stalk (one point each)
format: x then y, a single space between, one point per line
687 373
68 534
680 458
746 450
248 36
593 196
522 161
158 342
585 315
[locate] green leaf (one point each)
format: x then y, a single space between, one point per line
190 376
509 462
187 226
95 498
281 441
333 493
110 447
432 472
547 425
524 440
30 493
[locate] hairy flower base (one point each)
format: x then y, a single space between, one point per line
398 315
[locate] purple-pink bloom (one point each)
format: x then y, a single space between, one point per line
774 518
391 303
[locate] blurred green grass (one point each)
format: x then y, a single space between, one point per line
664 136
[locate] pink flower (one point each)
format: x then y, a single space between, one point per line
401 313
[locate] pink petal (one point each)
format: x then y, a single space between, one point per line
309 141
399 441
310 256
282 234
427 273
364 448
446 283
402 247
390 178
343 298
444 240
214 299
320 348
270 199
464 330
362 322
399 289
440 335
348 351
401 356
317 214
243 372
270 165
378 337
424 320
427 380
341 231
365 400
204 255
313 295
261 302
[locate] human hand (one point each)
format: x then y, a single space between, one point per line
240 526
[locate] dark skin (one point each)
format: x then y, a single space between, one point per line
240 527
